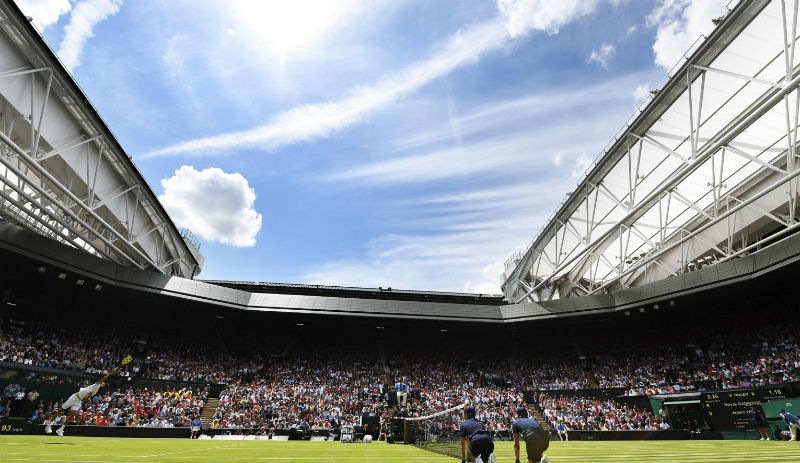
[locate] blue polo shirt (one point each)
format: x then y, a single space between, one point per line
791 418
473 428
524 426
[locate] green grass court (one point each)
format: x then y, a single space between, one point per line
45 449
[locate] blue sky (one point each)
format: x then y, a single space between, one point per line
406 143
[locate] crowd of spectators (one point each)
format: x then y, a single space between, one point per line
316 387
93 351
320 390
41 345
728 360
593 414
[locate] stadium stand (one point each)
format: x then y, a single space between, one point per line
591 414
313 383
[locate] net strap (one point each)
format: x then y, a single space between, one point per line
443 412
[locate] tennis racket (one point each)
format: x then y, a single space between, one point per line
125 360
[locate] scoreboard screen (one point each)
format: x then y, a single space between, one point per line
731 410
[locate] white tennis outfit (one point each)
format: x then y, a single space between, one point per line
75 400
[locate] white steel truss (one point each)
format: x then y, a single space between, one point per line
707 172
62 172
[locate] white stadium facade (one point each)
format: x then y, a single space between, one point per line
698 190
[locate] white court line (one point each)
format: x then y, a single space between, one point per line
365 458
202 449
59 460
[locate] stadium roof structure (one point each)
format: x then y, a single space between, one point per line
361 293
62 172
698 191
34 261
702 176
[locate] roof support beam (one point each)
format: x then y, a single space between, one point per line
72 144
739 76
134 252
764 212
76 233
660 146
758 161
747 117
689 204
764 191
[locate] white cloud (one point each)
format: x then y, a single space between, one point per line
580 164
45 13
213 204
558 159
679 24
309 122
84 17
666 11
603 55
576 162
492 279
524 16
641 92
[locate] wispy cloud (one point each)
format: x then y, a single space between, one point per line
415 262
469 237
45 13
506 138
603 55
522 113
470 229
314 121
85 15
308 122
488 155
